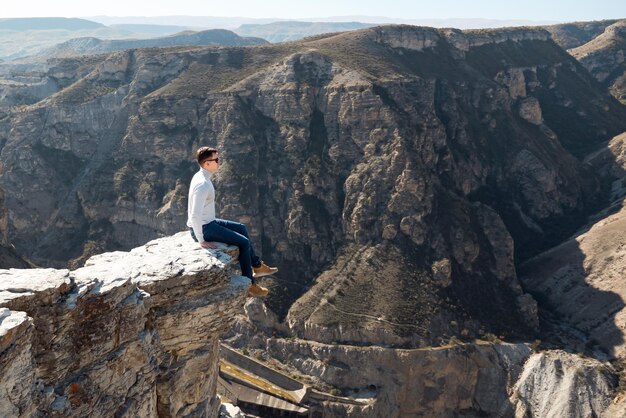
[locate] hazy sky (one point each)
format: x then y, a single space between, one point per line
540 10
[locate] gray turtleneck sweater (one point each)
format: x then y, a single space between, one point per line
201 204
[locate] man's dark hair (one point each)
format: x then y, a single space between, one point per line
204 153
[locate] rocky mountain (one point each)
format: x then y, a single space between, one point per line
603 56
402 171
28 83
31 79
20 43
294 30
423 191
160 30
90 46
574 34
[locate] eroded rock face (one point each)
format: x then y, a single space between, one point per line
446 381
332 146
26 84
586 270
557 384
603 56
572 35
130 334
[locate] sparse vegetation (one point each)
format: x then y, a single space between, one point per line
492 338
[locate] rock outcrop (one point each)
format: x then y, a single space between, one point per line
129 334
560 384
603 56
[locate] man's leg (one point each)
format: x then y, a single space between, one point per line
260 269
216 232
242 230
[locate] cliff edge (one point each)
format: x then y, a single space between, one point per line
129 334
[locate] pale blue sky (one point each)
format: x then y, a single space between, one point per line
538 10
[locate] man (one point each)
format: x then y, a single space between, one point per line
205 227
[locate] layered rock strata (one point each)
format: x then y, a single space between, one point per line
444 381
559 384
503 380
130 334
464 379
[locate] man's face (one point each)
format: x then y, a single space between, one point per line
212 164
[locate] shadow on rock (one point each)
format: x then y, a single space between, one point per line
579 284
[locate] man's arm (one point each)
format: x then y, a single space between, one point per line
198 197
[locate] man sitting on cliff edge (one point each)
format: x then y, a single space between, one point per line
203 223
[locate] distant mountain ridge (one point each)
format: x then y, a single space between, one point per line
294 30
154 29
235 22
48 23
22 37
574 34
90 46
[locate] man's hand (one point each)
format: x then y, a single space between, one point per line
206 244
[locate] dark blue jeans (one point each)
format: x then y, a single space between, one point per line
232 233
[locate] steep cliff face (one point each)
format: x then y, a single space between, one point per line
467 380
404 163
470 379
478 379
603 56
130 334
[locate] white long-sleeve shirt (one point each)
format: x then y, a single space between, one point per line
201 204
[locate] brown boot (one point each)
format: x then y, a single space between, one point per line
263 270
257 291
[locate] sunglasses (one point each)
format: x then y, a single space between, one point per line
217 160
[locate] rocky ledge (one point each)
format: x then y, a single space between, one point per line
129 334
419 38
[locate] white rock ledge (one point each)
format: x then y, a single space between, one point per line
129 334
